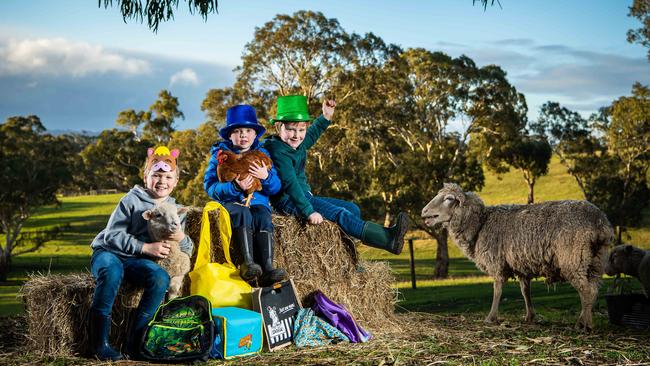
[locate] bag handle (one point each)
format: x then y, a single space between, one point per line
225 232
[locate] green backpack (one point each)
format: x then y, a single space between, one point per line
181 330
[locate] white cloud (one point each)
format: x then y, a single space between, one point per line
58 56
185 76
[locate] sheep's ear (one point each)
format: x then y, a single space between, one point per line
181 210
147 215
628 249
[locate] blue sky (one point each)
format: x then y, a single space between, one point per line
76 65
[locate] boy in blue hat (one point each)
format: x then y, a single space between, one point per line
297 134
252 229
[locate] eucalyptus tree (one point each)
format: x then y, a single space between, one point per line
115 160
34 167
452 104
162 115
627 135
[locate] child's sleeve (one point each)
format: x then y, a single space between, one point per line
116 234
187 245
314 131
219 191
272 184
291 186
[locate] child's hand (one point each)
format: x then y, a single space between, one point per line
245 183
315 218
328 109
157 249
177 235
259 171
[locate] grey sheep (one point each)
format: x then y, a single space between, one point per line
632 261
163 220
560 240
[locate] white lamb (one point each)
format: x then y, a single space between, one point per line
163 220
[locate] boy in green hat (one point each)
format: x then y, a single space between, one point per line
295 135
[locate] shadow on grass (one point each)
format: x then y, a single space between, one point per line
557 303
21 266
424 268
80 223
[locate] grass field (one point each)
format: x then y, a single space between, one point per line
466 294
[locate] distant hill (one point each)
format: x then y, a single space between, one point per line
76 132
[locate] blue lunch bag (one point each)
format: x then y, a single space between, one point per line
238 332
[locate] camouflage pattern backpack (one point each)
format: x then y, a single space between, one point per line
181 330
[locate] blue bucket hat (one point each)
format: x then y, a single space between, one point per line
241 116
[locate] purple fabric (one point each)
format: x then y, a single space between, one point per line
339 317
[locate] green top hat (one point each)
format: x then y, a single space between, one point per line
292 108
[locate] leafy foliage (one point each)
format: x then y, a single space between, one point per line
160 10
640 9
33 168
115 160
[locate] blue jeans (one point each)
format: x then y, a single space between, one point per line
257 218
109 269
346 214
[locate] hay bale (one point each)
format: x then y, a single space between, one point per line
321 257
57 309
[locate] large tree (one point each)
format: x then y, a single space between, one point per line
33 168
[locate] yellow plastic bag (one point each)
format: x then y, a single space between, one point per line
219 283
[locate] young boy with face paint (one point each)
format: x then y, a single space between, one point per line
296 134
252 229
124 251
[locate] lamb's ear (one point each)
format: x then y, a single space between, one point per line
147 215
460 197
181 210
628 249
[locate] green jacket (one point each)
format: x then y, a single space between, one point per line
290 165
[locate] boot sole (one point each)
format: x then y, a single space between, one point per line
403 226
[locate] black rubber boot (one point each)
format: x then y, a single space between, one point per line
100 327
388 238
264 256
243 238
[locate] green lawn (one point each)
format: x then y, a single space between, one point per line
467 290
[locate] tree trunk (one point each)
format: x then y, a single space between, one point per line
531 193
4 267
387 219
442 255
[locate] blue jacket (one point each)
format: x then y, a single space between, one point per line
224 192
126 230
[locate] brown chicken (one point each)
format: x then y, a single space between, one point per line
232 165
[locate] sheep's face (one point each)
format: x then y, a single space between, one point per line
441 208
623 259
164 219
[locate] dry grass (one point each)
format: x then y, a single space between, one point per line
430 339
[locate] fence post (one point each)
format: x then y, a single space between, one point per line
413 285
